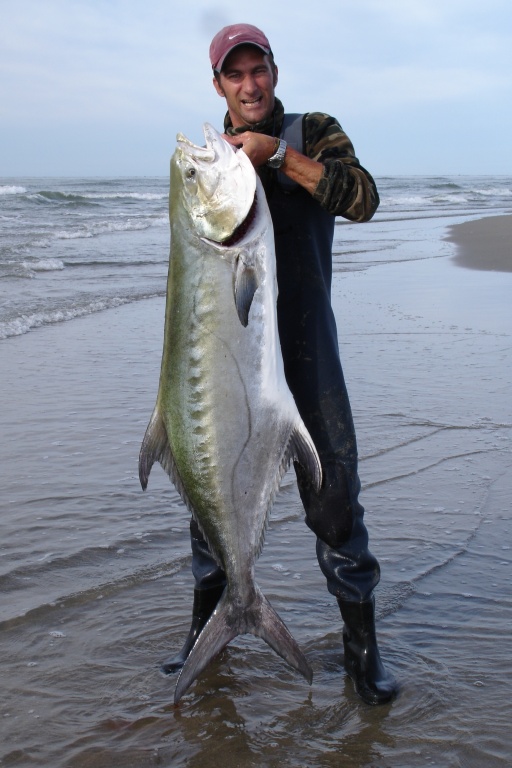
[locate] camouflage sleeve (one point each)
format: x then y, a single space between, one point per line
345 188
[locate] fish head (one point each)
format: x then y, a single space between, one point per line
218 184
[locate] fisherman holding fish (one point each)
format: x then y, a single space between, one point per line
310 175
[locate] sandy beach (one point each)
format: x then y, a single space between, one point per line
96 577
484 244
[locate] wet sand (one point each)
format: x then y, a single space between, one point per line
95 575
484 244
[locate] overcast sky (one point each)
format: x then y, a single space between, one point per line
101 87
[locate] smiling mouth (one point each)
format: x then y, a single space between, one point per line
248 103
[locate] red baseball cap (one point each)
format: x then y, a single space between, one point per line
232 36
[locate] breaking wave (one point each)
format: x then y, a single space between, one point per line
24 323
55 196
44 265
11 189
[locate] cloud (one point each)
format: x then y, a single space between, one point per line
113 71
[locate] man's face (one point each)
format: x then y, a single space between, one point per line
247 82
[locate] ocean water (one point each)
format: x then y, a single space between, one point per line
95 583
71 247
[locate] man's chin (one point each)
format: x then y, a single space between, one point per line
253 116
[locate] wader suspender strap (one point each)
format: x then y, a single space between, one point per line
293 133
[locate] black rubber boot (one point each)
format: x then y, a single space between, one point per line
205 602
362 659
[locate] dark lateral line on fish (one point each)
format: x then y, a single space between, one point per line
242 228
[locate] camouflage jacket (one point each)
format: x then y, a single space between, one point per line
345 187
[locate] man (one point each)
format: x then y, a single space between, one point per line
306 188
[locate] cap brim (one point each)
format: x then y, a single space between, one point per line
266 51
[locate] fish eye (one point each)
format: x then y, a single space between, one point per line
190 173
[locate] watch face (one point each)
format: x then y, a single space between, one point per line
277 160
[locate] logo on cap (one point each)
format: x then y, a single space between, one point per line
222 44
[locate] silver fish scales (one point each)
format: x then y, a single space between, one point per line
225 426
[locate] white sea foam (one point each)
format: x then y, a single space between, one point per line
8 189
76 234
403 200
76 197
44 265
108 227
450 199
119 195
124 195
493 192
24 323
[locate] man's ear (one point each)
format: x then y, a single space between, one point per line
275 76
217 87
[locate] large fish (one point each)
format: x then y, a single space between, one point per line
225 425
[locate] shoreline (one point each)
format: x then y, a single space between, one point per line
96 574
484 244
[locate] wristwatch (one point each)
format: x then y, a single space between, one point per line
277 158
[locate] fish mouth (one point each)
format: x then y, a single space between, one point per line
242 229
219 188
241 232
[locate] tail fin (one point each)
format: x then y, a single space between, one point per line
225 624
275 633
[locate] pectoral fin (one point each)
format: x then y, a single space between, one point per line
302 449
245 286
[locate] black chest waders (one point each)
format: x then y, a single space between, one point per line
309 342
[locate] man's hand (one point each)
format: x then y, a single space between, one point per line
257 146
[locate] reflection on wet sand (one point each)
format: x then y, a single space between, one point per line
96 579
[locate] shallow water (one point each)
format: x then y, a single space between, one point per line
95 575
70 247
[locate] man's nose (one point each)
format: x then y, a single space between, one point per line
250 84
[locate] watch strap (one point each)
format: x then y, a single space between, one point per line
277 158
